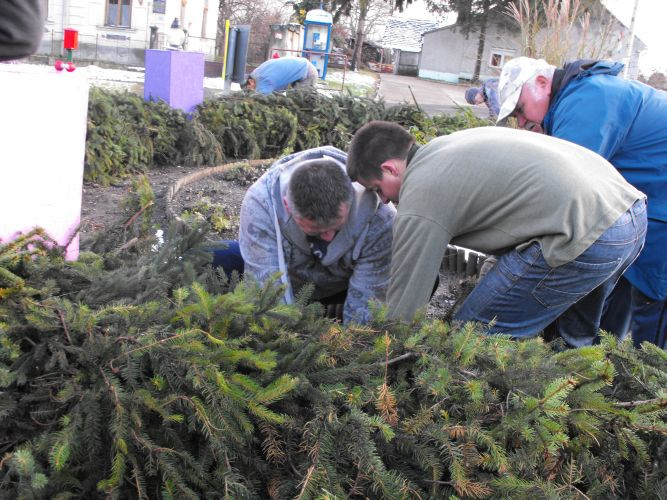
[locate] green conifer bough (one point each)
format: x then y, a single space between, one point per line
149 376
128 135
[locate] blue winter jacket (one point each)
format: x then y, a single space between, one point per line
625 122
278 74
490 91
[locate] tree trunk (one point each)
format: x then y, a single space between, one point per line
204 19
483 22
359 40
223 15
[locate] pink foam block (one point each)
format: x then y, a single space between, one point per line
43 137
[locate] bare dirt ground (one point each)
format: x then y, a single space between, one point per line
215 198
108 207
105 207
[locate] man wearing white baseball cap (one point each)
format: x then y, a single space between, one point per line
587 103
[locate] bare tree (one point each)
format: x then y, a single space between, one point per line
473 17
365 15
259 14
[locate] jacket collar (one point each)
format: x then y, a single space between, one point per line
413 149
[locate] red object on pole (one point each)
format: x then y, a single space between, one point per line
71 39
275 55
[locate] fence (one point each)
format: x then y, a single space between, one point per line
457 263
122 49
119 48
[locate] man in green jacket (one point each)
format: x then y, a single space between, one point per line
564 234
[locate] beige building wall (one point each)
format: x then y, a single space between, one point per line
449 55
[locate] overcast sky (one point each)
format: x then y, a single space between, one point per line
650 26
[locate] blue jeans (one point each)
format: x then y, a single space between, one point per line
523 294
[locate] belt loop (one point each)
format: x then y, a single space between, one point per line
632 214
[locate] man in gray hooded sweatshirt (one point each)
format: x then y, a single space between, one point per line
307 220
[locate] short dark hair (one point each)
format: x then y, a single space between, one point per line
244 85
317 189
372 145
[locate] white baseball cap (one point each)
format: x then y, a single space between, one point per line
515 73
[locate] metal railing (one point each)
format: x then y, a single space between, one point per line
119 48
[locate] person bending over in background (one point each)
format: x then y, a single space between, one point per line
564 234
306 219
487 94
278 74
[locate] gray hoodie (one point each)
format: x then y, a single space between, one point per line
357 259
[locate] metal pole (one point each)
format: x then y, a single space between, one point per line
631 41
224 55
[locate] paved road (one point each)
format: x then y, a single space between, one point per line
433 97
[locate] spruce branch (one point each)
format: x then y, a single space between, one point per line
65 329
565 386
156 343
126 245
388 362
659 402
651 428
137 214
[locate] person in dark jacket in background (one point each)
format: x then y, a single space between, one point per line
586 102
21 28
487 94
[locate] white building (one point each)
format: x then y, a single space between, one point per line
120 30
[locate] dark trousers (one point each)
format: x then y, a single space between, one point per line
629 310
227 255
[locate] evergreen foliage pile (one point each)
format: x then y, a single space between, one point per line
127 134
144 374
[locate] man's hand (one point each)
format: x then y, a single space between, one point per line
488 264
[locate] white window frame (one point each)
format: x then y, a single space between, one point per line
503 53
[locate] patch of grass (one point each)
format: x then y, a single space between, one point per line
213 213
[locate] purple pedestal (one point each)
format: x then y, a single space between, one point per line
175 77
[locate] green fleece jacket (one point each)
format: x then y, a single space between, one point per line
495 189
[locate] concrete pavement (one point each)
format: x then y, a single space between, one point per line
433 97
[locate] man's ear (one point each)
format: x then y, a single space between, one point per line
543 83
286 205
389 167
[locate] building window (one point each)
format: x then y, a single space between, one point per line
159 6
119 13
499 57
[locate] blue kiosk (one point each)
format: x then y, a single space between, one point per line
317 39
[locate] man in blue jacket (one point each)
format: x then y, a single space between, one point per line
278 74
624 121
